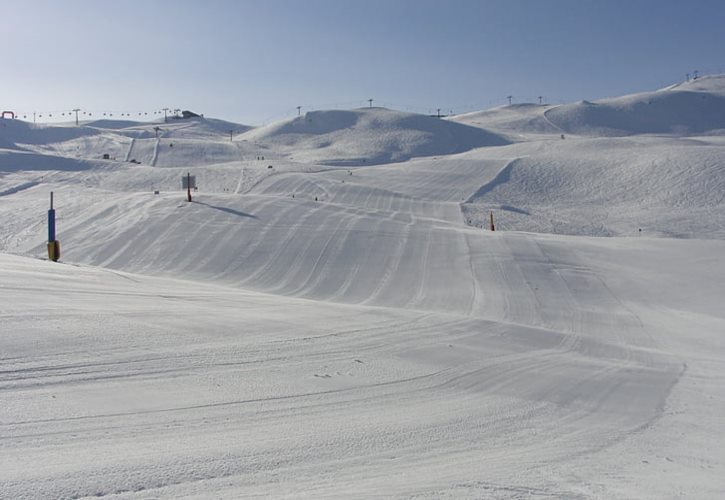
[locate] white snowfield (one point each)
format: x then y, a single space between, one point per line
336 321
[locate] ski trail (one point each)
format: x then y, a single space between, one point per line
552 123
476 295
240 183
130 149
156 153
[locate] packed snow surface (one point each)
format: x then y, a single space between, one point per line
331 317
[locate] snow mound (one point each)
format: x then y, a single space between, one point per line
688 109
368 136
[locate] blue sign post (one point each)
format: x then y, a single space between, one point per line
51 220
53 244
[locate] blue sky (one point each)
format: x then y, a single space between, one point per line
255 61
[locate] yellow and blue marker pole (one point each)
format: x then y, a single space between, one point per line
53 244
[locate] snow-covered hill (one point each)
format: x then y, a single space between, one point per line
614 186
690 108
368 136
695 108
198 141
305 328
18 133
514 120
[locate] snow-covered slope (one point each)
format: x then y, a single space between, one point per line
368 136
17 133
606 187
696 107
310 330
513 121
713 84
120 384
198 141
686 109
194 128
